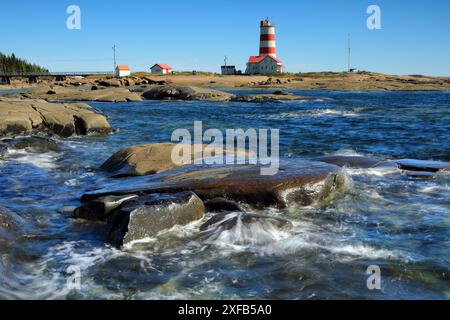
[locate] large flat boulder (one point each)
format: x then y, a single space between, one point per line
297 182
175 92
149 159
27 116
110 94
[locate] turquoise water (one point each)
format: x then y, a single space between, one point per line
397 222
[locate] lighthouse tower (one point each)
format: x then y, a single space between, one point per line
266 62
267 45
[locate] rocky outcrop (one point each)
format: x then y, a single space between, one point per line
297 182
266 98
146 216
112 94
146 159
174 92
27 116
110 83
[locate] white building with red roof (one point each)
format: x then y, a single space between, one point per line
266 62
161 68
122 71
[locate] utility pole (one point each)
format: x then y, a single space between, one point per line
225 61
114 50
349 53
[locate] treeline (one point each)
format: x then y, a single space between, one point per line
12 64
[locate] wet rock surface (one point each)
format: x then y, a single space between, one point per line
100 209
175 92
19 116
421 165
144 217
355 162
301 182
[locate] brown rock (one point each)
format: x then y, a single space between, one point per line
175 92
144 160
26 116
300 182
71 94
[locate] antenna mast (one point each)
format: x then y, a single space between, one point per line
349 53
114 50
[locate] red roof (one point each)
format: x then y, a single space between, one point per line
258 59
162 66
122 67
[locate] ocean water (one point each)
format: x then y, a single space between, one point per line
397 222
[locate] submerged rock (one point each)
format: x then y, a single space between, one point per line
27 116
355 162
9 220
421 165
175 92
301 182
227 221
146 216
32 143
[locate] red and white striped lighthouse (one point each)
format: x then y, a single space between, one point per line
267 45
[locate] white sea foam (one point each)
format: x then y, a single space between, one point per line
46 160
265 239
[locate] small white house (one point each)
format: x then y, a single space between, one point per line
264 65
161 68
122 71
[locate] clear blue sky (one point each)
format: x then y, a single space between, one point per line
196 34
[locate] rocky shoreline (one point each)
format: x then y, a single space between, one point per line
162 195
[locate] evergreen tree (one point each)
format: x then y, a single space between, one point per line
12 64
